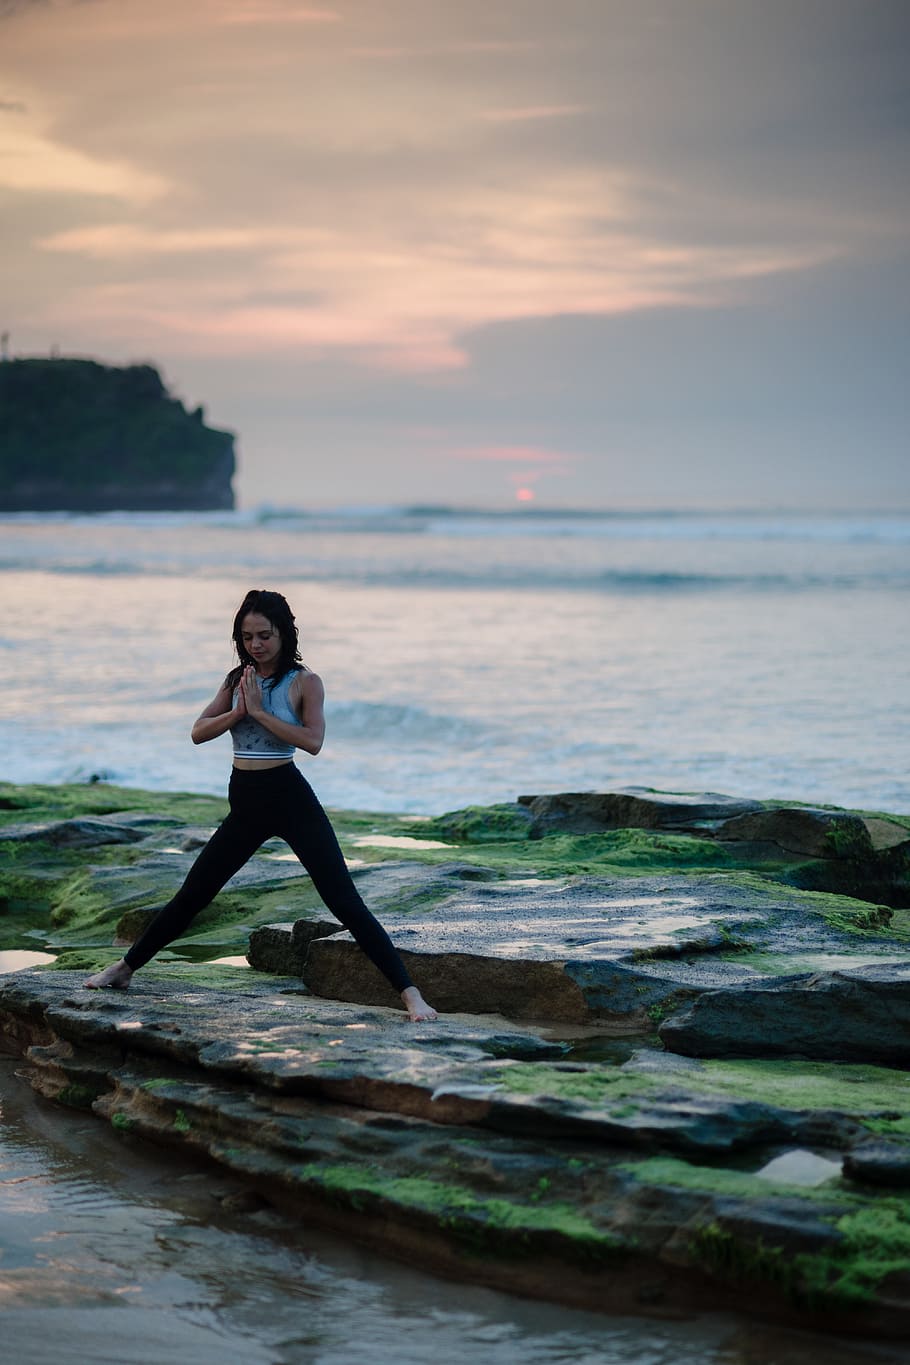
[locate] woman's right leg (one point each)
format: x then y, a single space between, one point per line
234 842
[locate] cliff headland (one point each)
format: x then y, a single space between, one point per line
79 436
671 1072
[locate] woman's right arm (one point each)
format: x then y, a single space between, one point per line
220 715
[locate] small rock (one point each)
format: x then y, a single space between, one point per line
282 948
879 1163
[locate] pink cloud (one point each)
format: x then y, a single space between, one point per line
521 467
445 49
259 14
541 111
525 455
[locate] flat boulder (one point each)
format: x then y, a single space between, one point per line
804 830
879 1162
853 1015
631 808
85 831
625 951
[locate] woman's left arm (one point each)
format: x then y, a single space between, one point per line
307 696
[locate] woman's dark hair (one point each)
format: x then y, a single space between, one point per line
275 609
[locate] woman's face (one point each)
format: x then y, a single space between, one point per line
261 641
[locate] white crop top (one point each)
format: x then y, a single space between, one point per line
252 740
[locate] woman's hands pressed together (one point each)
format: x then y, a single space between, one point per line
249 694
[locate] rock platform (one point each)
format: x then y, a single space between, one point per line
487 1152
666 1078
623 953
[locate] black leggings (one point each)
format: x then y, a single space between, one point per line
266 802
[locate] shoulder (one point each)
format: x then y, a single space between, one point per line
307 684
228 685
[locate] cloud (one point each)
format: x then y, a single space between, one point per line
397 292
453 48
533 113
10 8
33 162
259 13
528 224
111 241
520 467
524 455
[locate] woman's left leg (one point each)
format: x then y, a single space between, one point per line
308 830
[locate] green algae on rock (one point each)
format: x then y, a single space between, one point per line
476 1146
663 918
416 1141
819 848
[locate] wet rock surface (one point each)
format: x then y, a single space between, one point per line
754 1152
802 830
474 1145
861 1014
632 807
623 950
880 1163
88 832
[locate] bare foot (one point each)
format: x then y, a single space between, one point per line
118 976
418 1009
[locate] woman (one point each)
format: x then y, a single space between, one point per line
272 704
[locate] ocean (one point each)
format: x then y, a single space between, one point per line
467 658
470 657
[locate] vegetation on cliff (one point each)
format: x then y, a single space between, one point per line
79 436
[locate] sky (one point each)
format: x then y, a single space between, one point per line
562 253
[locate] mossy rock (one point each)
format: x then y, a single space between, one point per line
507 823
